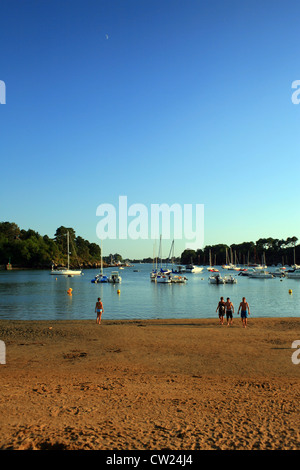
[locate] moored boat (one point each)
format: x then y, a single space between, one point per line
66 271
179 269
216 279
279 272
100 277
115 277
262 274
191 268
163 278
230 280
178 279
293 274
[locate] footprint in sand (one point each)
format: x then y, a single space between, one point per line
75 354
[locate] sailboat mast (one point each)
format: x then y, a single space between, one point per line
68 248
160 253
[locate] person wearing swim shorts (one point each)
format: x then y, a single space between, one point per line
229 311
221 308
99 310
245 311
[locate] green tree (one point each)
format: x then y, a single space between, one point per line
9 230
188 256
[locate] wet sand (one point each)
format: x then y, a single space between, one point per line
156 384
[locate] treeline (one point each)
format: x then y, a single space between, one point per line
265 250
29 249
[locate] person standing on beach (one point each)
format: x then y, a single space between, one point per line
221 308
229 311
99 309
245 311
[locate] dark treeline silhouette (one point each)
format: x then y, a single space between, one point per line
265 250
29 249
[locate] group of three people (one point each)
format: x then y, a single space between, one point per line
228 308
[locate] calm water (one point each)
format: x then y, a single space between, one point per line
36 295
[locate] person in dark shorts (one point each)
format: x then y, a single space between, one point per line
245 311
221 309
229 311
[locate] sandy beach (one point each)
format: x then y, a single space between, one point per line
156 384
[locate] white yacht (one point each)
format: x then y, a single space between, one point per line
66 271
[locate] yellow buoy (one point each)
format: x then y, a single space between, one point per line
290 291
118 291
69 291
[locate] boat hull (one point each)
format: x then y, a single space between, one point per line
216 280
66 272
258 276
194 269
230 280
163 279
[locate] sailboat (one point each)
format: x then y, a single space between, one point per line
211 268
295 266
232 265
66 271
178 278
161 275
154 270
228 264
100 277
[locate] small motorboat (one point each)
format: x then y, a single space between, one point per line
230 280
115 277
216 279
279 272
293 274
261 275
99 278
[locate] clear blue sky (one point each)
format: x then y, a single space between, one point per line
164 101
